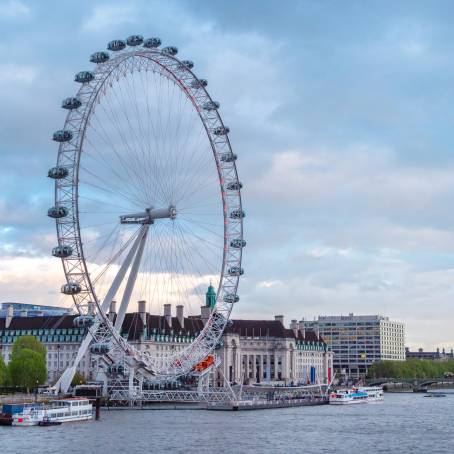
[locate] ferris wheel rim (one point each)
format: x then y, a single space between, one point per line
215 326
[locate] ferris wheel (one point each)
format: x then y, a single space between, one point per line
147 202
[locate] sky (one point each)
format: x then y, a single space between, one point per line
341 115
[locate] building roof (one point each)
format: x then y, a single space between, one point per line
134 327
44 322
269 328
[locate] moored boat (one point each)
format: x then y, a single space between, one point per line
374 393
348 397
65 410
9 409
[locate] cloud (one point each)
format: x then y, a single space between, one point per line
13 9
344 145
105 17
15 73
356 182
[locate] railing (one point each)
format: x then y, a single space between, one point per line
170 396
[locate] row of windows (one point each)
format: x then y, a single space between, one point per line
40 332
46 338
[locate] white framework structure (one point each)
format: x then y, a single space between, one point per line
137 56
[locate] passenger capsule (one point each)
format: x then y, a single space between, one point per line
211 105
237 214
231 298
221 320
62 136
116 369
57 212
186 64
99 348
62 251
235 271
199 83
84 77
99 57
234 186
219 345
152 43
83 321
228 157
71 288
238 243
116 45
134 40
170 50
71 103
221 131
58 172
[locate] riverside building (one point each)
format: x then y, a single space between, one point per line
31 310
251 351
357 341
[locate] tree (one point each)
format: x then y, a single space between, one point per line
410 369
27 369
29 342
78 379
3 372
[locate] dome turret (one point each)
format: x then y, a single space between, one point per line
210 297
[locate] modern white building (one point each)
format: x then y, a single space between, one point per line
357 341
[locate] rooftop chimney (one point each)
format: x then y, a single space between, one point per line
91 308
168 314
302 328
279 318
294 327
180 315
9 316
142 306
112 310
205 313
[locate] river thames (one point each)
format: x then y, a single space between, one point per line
404 423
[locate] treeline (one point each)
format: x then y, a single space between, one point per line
27 365
410 369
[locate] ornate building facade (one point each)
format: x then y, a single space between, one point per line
251 351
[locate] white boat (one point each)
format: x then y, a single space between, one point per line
374 393
65 410
348 397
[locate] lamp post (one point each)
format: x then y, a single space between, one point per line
58 360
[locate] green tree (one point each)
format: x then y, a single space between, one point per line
3 372
410 369
28 342
27 369
78 379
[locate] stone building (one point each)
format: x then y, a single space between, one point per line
251 351
258 351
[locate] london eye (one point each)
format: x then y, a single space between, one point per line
147 203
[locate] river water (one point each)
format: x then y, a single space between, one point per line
404 423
